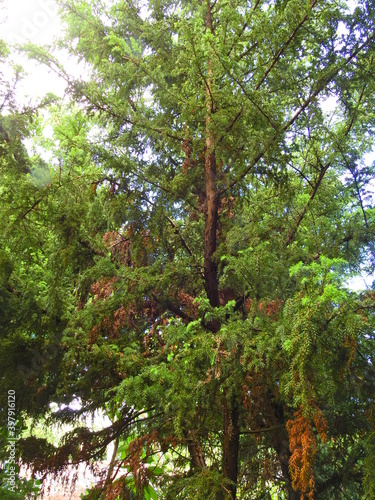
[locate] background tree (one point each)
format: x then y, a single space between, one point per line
202 217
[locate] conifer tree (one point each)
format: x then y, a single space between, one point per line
204 213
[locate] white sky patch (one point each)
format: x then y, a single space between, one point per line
38 82
360 283
37 22
329 105
352 4
97 421
369 158
48 132
38 26
144 13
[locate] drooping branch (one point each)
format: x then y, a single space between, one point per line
178 232
304 210
244 91
174 308
320 86
357 188
320 178
288 41
245 25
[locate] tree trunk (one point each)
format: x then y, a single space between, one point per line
211 206
111 466
198 461
231 411
281 446
231 445
211 216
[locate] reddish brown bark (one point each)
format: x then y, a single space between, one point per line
231 429
195 450
211 216
231 445
211 205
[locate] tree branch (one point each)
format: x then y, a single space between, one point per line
281 51
304 210
320 86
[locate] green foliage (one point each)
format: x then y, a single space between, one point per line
178 254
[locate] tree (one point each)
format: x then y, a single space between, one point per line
203 215
16 191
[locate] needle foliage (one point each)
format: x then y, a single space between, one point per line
182 259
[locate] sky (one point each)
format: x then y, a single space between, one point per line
38 22
30 20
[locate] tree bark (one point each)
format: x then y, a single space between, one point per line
111 465
231 411
281 445
211 205
198 461
211 216
231 445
